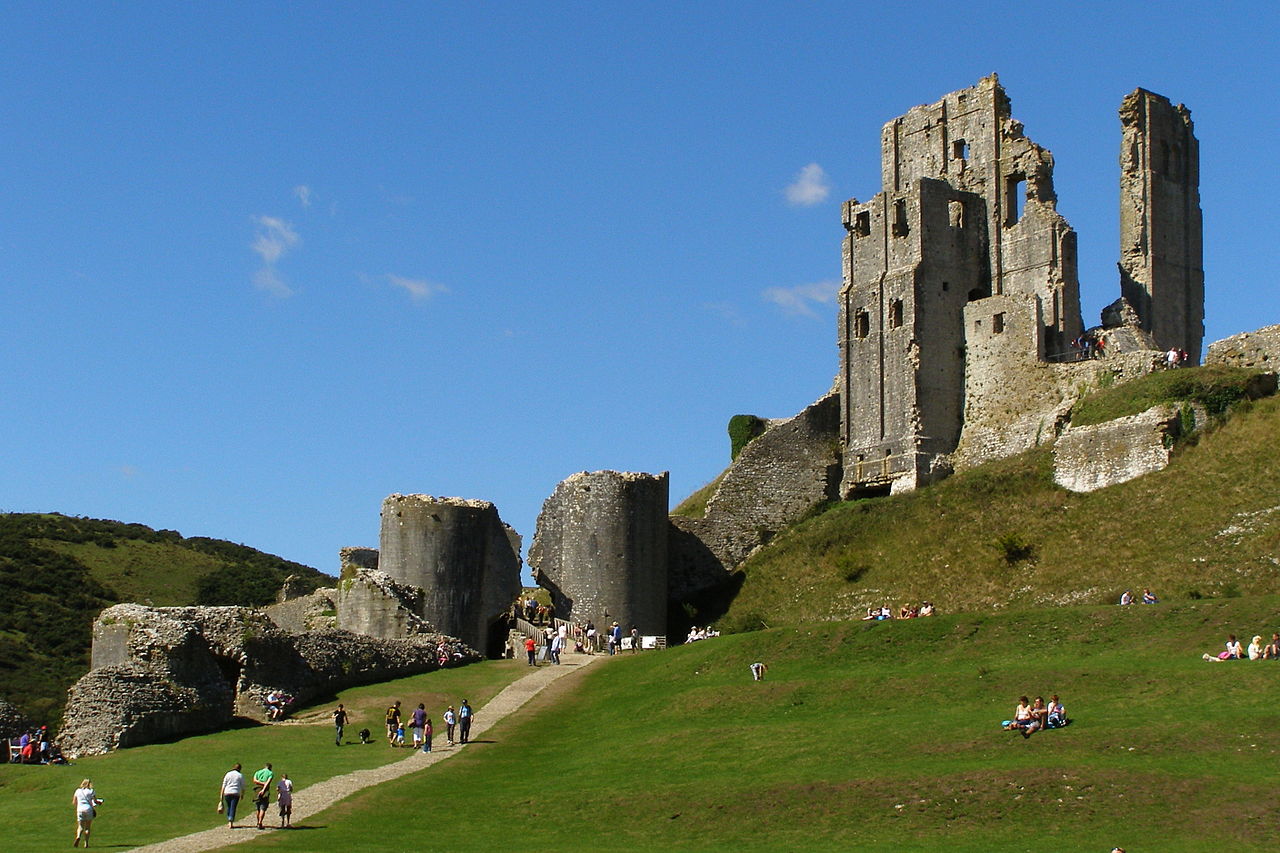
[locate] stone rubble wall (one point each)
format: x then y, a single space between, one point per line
1259 350
12 721
372 603
1093 457
312 612
161 672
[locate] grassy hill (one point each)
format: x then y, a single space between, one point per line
58 572
863 736
1003 535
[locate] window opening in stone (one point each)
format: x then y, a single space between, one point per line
955 210
862 223
862 324
900 227
960 150
997 324
1015 192
945 287
895 313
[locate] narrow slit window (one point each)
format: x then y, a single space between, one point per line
1014 197
862 223
900 226
861 324
997 324
895 314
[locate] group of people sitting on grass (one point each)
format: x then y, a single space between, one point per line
907 611
1256 650
696 633
1030 717
1148 597
32 746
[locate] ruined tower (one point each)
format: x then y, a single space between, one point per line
967 212
1161 260
463 557
601 549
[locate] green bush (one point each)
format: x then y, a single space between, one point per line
742 429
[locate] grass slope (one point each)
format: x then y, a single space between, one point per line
159 791
864 736
59 572
1004 535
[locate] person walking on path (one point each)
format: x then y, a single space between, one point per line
417 721
450 720
635 639
262 792
284 799
339 722
393 723
615 639
464 719
531 648
229 794
86 803
426 735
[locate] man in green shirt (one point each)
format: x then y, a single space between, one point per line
262 792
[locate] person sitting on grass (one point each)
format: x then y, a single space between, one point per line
1040 713
1023 718
1057 714
1272 651
1255 647
1234 651
1148 597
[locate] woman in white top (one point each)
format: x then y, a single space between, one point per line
1255 648
86 802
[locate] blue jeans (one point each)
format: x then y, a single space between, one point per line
231 801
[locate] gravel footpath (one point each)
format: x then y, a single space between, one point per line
315 798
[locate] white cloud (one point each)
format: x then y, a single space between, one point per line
419 289
809 187
303 192
275 239
801 298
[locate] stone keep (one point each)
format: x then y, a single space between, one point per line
461 555
960 280
601 549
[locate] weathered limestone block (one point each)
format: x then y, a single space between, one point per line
1259 350
461 555
314 611
166 671
601 549
372 603
1093 457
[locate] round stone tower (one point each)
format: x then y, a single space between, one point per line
601 549
466 561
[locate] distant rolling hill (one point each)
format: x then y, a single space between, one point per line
57 572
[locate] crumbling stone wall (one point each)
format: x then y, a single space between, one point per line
1259 350
165 671
1093 457
601 549
314 611
1161 254
462 557
12 721
372 603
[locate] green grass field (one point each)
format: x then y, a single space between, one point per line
864 736
159 791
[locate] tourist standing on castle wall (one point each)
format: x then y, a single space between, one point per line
262 792
229 793
86 803
339 722
464 719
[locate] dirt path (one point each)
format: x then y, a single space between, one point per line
315 798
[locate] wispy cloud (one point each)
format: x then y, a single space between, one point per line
419 289
275 239
801 299
303 192
810 187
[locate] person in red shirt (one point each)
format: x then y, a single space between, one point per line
531 647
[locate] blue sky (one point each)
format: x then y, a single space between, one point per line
263 264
